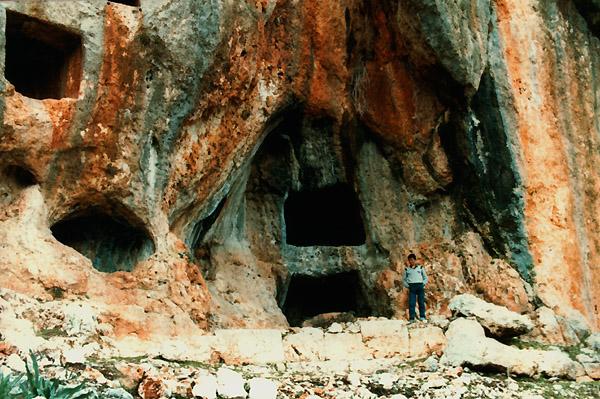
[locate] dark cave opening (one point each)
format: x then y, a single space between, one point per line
133 3
590 11
20 176
42 60
110 241
198 247
13 179
329 216
308 296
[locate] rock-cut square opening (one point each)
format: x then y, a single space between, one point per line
20 176
133 3
329 216
110 241
309 296
42 60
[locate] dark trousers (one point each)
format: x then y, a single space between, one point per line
416 291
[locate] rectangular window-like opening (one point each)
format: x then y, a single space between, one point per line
328 216
133 3
308 296
42 60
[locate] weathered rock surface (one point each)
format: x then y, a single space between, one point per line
387 378
262 388
593 341
497 320
230 384
249 346
468 345
155 191
205 387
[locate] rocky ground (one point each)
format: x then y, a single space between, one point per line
161 199
482 351
423 378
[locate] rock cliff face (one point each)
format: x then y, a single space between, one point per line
189 164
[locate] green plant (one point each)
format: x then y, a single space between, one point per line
36 385
9 386
47 333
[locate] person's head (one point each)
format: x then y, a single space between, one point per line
412 259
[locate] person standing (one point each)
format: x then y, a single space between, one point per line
415 280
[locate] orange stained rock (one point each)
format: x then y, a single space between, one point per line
61 114
123 327
554 233
403 113
324 52
119 82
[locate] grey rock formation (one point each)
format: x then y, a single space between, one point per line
497 320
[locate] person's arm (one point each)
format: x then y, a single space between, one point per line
424 275
405 279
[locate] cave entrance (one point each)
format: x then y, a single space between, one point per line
13 179
20 176
112 243
329 216
42 60
308 296
133 3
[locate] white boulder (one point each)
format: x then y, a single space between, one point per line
468 345
498 320
230 384
205 387
262 388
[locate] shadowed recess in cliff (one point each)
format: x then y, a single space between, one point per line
20 176
108 239
487 176
133 3
196 239
13 179
31 44
328 216
308 296
590 11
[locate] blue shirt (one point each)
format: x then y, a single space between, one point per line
414 275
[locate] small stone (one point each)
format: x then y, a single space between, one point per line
593 341
117 393
354 379
205 387
387 380
513 386
151 388
74 356
439 321
398 396
431 364
230 384
353 328
582 358
15 363
335 328
281 367
589 352
364 393
436 382
592 370
262 388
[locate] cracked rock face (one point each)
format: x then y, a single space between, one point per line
187 165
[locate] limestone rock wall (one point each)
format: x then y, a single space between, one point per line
466 131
